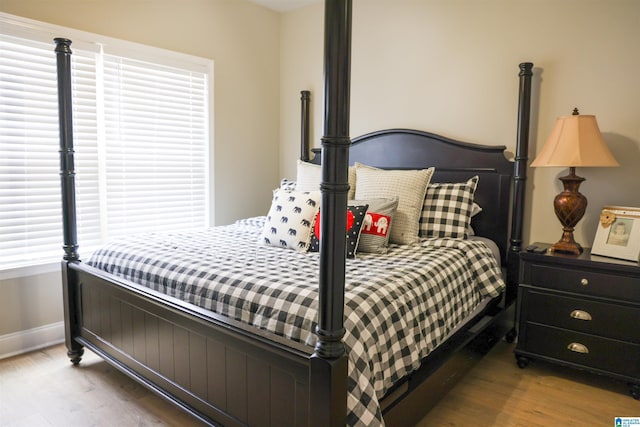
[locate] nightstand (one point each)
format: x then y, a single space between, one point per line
582 312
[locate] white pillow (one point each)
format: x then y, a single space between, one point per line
352 183
409 186
290 219
475 210
309 177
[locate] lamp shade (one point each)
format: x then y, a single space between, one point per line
575 141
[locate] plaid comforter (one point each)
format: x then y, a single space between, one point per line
398 306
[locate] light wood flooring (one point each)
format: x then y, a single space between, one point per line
43 389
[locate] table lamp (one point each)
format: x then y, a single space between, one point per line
574 141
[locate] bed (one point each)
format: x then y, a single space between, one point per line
223 363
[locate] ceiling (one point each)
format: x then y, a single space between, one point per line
284 5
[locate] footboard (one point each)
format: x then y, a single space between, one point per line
217 369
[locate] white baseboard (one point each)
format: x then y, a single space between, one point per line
31 339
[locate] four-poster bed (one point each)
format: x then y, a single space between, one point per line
227 372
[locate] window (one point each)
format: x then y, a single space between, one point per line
141 137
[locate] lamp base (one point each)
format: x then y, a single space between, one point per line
569 207
567 244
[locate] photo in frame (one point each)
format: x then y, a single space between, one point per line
618 234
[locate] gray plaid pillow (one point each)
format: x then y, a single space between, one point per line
447 209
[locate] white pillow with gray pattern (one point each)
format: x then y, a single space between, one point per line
409 186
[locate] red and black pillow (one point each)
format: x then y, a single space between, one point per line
355 220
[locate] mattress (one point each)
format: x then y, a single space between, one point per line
398 306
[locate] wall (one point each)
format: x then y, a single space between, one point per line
243 40
451 67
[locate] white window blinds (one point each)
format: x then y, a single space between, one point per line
29 182
141 139
155 125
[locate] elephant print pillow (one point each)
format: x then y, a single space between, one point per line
290 219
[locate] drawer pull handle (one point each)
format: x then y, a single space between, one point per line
578 348
584 282
580 315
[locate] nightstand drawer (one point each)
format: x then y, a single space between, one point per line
583 282
614 356
583 315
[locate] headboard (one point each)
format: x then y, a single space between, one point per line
454 161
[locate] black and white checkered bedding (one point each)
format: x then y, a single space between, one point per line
398 306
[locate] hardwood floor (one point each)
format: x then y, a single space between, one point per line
498 393
43 389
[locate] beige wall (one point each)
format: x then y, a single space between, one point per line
451 67
243 40
30 302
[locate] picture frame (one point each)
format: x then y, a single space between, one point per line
618 233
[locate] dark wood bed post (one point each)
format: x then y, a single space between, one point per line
329 360
67 187
305 144
519 178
